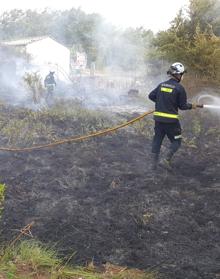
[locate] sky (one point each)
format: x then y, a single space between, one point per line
154 14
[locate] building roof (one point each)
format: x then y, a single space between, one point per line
23 42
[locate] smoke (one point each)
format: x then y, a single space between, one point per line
118 82
115 79
103 91
120 50
11 71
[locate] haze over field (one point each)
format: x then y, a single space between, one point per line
155 15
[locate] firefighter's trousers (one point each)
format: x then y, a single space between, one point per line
172 131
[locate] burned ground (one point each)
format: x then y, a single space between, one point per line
101 199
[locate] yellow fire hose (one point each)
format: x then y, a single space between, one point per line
74 139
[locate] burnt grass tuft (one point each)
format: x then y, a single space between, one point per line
100 198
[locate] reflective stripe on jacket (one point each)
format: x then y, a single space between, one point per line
167 115
169 96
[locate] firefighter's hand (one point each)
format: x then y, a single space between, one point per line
194 105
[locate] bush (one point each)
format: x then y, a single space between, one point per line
34 85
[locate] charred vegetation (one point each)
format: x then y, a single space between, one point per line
100 198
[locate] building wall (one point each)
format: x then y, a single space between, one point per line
48 55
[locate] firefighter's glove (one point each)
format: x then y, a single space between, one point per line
194 106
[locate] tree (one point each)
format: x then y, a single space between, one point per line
191 39
206 14
204 56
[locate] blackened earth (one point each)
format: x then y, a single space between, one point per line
100 199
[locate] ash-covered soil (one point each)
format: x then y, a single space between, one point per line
101 199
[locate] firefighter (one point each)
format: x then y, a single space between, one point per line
50 83
168 96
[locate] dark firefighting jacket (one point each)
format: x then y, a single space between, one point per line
169 96
49 80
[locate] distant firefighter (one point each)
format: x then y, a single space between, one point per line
50 83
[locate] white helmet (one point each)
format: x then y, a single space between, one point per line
176 69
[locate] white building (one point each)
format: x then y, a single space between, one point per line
44 54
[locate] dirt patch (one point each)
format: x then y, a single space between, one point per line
100 199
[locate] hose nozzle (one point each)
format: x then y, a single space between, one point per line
199 106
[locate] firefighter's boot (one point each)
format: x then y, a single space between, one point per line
166 163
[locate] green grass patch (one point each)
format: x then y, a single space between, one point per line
2 197
30 259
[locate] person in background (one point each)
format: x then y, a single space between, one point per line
50 83
169 96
